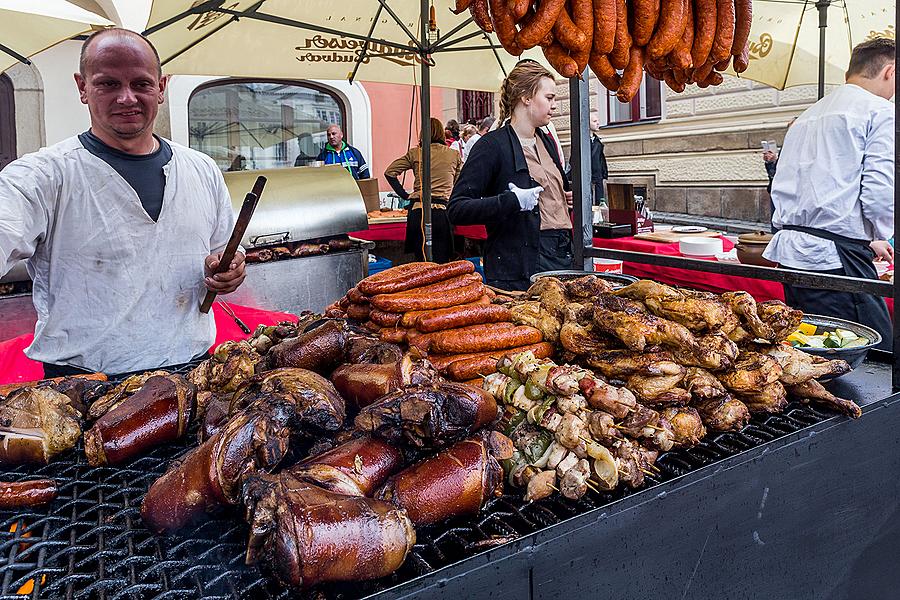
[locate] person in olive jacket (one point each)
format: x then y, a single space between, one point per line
514 183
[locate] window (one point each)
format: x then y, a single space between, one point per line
645 106
7 122
261 124
474 105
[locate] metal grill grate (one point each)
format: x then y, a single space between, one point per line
91 543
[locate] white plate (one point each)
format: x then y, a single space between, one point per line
689 229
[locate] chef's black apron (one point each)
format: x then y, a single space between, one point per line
856 260
441 232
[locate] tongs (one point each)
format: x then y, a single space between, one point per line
237 234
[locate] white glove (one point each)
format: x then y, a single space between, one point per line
528 199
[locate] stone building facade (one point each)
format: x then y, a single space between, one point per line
703 157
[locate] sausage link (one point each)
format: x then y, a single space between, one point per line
704 31
358 312
461 5
479 11
702 72
460 316
461 294
583 15
384 318
518 8
644 15
681 55
724 31
631 77
393 335
482 338
669 29
620 53
742 60
532 34
409 318
672 82
505 27
485 363
412 275
605 72
23 494
743 20
604 27
357 297
559 59
568 33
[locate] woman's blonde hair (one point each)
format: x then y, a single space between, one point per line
522 82
468 131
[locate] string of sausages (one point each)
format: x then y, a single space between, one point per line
681 42
444 311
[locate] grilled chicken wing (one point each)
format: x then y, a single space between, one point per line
752 371
536 315
628 320
770 398
744 305
686 425
702 384
724 413
552 293
799 366
780 318
659 390
714 352
587 287
698 311
581 339
816 392
621 364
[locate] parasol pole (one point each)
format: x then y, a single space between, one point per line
425 130
580 157
895 371
822 5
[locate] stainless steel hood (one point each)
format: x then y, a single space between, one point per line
299 203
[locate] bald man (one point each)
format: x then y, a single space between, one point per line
339 152
121 230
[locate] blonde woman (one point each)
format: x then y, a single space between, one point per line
445 166
513 183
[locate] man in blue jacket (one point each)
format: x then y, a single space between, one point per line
337 152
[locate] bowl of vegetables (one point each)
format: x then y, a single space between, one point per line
834 338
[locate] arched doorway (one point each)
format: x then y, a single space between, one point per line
7 122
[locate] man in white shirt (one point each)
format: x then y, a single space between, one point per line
834 189
120 229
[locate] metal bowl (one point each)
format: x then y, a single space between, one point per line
854 356
616 279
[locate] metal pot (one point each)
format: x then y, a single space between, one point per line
616 279
854 356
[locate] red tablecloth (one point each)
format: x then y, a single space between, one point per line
381 232
760 289
16 367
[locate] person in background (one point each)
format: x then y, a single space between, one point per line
483 127
445 166
452 136
834 189
770 162
599 168
514 184
120 229
467 133
338 152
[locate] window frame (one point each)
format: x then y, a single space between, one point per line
637 110
302 83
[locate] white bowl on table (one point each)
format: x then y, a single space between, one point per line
699 246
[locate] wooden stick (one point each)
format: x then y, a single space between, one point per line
646 472
552 487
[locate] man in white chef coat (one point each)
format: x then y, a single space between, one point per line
834 189
121 229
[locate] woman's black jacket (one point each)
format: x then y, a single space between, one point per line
481 196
